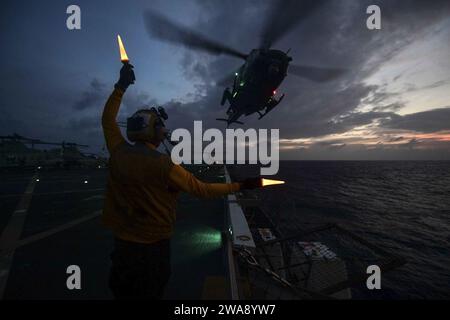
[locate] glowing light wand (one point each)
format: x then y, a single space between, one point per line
123 53
270 182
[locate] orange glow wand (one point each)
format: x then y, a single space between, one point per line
270 182
123 53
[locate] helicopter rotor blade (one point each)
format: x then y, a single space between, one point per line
317 74
163 29
283 16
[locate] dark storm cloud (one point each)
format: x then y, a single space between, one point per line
315 112
393 107
437 84
335 35
182 115
410 87
336 144
135 100
280 19
426 122
67 102
412 149
357 119
85 124
92 97
431 121
396 139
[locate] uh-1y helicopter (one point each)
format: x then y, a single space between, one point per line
255 83
14 152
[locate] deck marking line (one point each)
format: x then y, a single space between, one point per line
12 232
48 233
96 197
52 193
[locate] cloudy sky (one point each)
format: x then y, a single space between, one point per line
392 103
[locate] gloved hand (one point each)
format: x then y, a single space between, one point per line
126 77
251 183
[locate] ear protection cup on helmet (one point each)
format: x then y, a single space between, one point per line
141 126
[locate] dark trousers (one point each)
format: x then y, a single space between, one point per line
139 271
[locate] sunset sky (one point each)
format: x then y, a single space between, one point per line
392 103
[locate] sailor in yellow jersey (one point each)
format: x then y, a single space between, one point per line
143 185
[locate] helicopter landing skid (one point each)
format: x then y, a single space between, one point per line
226 96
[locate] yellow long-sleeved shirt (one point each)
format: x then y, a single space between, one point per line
143 184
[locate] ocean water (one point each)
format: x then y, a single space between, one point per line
401 206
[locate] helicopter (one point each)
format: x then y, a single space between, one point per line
256 82
15 153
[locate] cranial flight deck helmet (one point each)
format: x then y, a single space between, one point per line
144 123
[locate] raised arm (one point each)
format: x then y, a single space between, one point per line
111 130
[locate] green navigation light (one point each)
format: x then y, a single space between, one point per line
211 239
206 241
198 241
